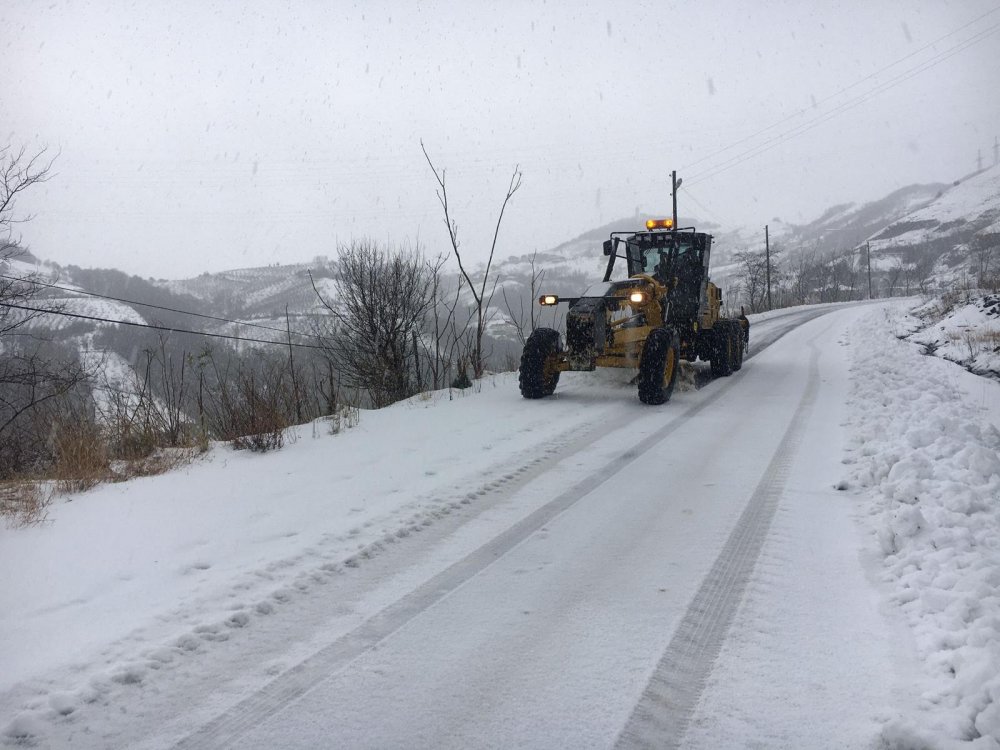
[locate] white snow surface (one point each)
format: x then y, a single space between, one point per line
925 441
145 609
964 329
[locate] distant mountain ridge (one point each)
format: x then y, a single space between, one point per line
938 218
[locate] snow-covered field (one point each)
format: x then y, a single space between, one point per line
268 598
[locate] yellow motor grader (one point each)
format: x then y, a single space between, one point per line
665 311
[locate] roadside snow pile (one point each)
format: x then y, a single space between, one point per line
931 461
963 329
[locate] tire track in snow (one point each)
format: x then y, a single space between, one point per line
663 713
228 727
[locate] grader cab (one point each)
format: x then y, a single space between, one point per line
666 310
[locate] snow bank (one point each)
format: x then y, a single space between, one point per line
930 459
965 330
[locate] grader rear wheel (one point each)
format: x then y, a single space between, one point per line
737 330
723 351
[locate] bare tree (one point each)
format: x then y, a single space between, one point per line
125 411
517 318
33 375
444 329
18 172
171 384
382 297
895 271
33 372
246 400
923 269
479 293
753 275
841 276
800 272
984 249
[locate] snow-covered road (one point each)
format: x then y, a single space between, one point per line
600 618
582 571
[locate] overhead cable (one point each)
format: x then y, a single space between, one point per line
159 327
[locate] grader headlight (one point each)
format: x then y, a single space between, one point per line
548 299
637 298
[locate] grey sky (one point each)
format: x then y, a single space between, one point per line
202 136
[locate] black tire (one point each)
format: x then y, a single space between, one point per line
722 351
740 346
658 366
537 376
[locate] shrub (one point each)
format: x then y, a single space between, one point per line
81 457
24 503
462 380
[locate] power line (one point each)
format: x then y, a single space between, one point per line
840 109
838 93
158 327
711 214
152 306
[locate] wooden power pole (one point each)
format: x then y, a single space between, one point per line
767 255
868 245
674 183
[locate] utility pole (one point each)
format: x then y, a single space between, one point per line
869 246
767 255
291 369
675 183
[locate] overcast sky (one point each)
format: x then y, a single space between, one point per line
200 136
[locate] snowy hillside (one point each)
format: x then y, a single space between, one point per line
67 298
964 329
960 229
815 538
941 221
970 207
573 265
262 292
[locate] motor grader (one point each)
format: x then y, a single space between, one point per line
665 311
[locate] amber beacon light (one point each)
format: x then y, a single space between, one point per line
652 224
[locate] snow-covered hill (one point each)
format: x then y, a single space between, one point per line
918 226
961 228
263 292
971 206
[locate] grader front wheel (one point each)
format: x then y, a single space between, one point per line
658 366
539 374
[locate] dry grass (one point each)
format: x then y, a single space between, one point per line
82 460
160 461
344 417
24 503
977 342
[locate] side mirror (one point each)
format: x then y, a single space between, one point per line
609 247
